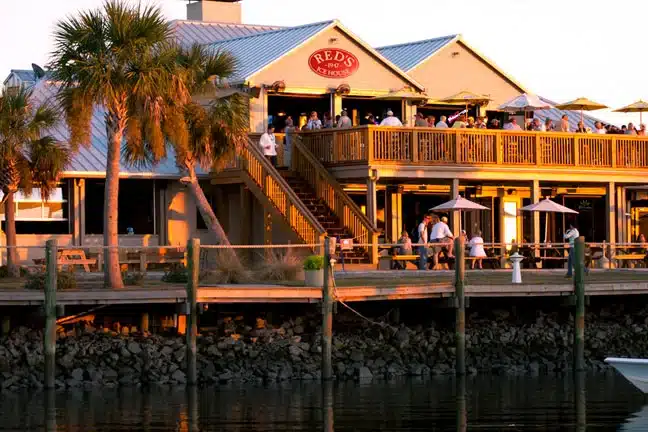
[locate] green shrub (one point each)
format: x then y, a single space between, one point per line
177 274
4 271
314 262
133 278
280 267
64 280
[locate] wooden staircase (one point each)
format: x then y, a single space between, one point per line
325 216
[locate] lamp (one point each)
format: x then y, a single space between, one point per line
278 86
343 89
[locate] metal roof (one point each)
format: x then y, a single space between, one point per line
408 55
25 75
190 32
259 50
91 161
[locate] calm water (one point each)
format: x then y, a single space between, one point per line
608 402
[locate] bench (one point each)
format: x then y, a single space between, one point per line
70 258
386 262
151 256
631 259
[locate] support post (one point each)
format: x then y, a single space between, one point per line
49 336
610 213
6 325
579 315
535 231
456 216
460 305
327 316
327 406
372 207
193 256
580 399
144 325
462 410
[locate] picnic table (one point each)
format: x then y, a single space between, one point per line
70 258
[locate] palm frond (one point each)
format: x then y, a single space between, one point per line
47 160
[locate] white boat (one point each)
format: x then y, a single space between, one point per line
634 370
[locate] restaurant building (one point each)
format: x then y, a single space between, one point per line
365 182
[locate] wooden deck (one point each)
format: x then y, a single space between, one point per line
351 287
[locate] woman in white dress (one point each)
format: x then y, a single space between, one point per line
477 249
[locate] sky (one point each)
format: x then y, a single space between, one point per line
560 49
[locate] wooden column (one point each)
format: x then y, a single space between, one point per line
460 305
372 208
502 231
579 294
620 214
327 316
49 335
456 216
536 235
246 215
193 257
144 323
610 212
394 217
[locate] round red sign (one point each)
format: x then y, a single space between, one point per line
333 63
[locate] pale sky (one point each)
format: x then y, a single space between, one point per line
560 49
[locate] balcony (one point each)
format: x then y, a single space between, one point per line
427 152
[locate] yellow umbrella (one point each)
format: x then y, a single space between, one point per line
403 94
639 106
581 104
466 98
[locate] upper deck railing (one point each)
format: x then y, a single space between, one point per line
430 146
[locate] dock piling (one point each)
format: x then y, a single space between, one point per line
193 257
327 315
6 325
144 325
579 313
49 336
460 306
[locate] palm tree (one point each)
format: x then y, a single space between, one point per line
28 157
118 57
204 131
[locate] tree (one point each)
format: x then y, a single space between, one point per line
29 158
119 57
204 131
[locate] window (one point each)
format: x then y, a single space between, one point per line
510 222
35 216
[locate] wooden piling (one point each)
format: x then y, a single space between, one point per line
49 336
193 258
580 401
144 324
50 410
6 325
327 316
579 313
328 403
462 406
460 306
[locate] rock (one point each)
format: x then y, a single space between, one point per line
110 374
226 376
402 336
356 356
179 376
364 373
77 374
286 372
294 350
134 348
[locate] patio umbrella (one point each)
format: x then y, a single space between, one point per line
459 204
525 102
581 104
466 98
548 206
639 106
403 94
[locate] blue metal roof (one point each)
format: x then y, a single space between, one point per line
257 51
190 32
26 76
407 56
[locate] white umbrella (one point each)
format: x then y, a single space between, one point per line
458 204
525 102
548 206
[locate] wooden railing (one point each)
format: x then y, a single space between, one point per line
280 194
430 146
329 191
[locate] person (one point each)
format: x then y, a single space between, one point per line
441 234
422 241
581 128
290 131
268 144
405 249
631 129
344 122
390 120
571 235
471 123
564 123
431 121
327 122
420 120
512 125
642 130
477 251
599 128
460 123
494 124
442 124
481 122
549 126
537 125
314 123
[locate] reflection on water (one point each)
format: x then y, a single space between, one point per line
593 402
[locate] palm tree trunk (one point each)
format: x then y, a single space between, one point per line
10 230
112 272
208 215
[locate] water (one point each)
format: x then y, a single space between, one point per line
494 403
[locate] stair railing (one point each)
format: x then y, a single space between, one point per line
327 188
280 194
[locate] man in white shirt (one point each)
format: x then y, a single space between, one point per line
442 123
390 120
512 125
422 241
441 234
345 121
314 123
571 235
599 128
269 145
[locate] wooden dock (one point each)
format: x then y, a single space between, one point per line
349 287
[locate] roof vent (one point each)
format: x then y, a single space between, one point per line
223 11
